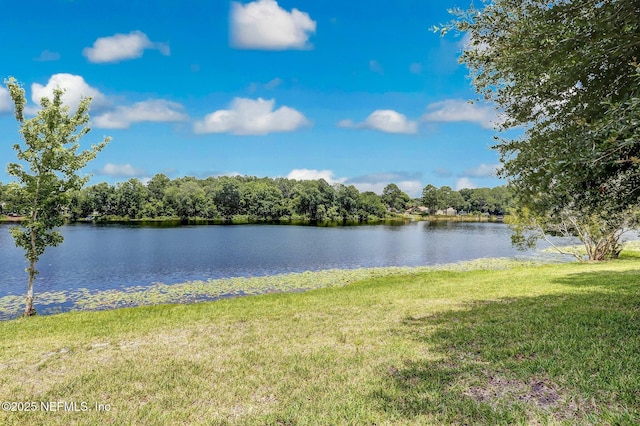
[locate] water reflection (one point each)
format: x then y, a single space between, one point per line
115 256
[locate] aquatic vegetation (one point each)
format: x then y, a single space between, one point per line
199 291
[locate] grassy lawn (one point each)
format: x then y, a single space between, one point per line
552 344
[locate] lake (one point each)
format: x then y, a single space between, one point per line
102 257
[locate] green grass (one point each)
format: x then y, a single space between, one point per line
551 344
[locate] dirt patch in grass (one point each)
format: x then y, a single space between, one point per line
538 393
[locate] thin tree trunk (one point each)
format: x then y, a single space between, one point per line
29 311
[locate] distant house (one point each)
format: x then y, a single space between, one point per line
448 212
418 210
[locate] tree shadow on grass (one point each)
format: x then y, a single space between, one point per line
569 358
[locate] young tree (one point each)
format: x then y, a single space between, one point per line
47 171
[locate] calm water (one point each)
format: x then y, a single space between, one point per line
117 256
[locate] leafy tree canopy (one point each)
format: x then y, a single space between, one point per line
47 171
567 73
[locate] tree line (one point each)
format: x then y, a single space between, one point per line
260 199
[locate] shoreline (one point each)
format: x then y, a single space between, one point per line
11 219
552 344
199 291
242 220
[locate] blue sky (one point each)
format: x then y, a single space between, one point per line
357 92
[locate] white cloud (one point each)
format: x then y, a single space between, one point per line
47 56
465 41
390 121
455 110
251 117
374 66
75 88
442 172
273 83
119 47
154 110
6 105
376 182
471 44
483 170
310 174
121 170
203 174
263 24
270 85
412 188
465 183
347 123
385 120
415 68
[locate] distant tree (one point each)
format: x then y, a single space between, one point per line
286 186
188 199
102 198
453 199
370 204
80 205
227 196
130 197
394 197
262 199
47 171
503 199
13 199
479 199
430 198
313 199
348 198
157 185
447 197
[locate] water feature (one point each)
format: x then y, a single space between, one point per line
116 256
